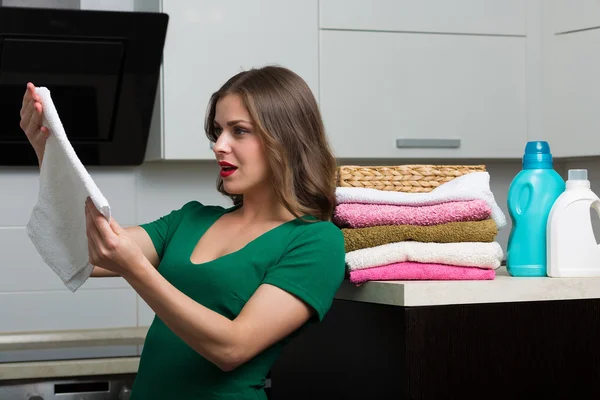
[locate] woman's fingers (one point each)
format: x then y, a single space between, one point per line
27 97
34 130
93 236
31 121
91 227
103 229
29 101
26 114
32 114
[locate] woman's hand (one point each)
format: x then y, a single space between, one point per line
31 121
109 245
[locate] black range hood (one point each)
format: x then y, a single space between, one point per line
102 69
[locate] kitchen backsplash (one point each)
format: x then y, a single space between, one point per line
32 297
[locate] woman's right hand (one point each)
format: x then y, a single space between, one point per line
31 121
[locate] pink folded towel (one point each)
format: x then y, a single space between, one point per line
404 271
354 215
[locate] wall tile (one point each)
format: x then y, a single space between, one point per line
163 187
63 310
145 313
22 268
20 187
18 194
119 187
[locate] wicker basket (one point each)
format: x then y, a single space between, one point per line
401 178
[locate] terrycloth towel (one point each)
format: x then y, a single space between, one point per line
473 231
356 215
57 223
471 186
467 254
416 271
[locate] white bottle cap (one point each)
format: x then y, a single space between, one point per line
578 175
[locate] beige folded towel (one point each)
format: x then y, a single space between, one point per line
451 232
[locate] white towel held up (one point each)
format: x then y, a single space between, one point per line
57 223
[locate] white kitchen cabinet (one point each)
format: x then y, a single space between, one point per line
436 96
573 88
208 42
573 15
497 17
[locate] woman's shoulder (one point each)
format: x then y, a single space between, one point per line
195 207
313 231
191 210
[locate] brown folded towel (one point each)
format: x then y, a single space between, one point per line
470 231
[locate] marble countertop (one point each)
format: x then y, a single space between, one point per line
68 368
15 341
73 338
504 288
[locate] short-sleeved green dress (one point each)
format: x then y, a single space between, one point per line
303 258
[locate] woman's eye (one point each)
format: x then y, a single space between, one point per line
217 130
240 131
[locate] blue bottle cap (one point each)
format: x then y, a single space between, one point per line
537 155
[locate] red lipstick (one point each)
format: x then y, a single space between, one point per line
226 168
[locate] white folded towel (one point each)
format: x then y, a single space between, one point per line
471 186
57 225
464 254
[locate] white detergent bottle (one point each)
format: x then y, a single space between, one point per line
572 248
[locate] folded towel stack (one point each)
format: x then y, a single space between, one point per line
447 233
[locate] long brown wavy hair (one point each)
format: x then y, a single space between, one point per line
285 114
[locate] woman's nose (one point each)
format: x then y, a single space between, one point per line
221 145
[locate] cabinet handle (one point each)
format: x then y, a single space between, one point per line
428 143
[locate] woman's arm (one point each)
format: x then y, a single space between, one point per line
142 239
270 315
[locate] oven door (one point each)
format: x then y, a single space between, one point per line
117 387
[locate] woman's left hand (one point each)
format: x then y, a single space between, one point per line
109 246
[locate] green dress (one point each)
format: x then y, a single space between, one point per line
302 258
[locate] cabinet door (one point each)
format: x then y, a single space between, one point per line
569 15
574 93
498 17
448 96
210 41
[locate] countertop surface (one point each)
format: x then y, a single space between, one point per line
503 289
15 341
397 293
72 338
68 368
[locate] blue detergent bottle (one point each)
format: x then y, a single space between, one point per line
530 198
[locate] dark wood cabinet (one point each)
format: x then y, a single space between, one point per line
521 350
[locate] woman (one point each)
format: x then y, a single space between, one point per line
231 286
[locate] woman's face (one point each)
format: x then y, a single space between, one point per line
239 149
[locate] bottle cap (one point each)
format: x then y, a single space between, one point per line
537 155
578 175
